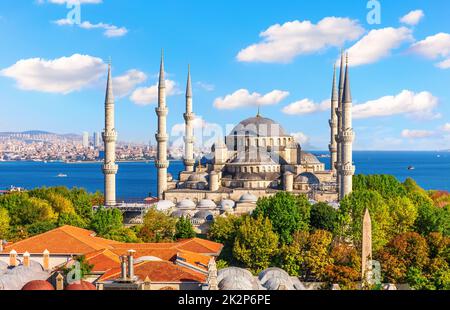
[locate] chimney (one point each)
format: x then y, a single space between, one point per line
26 259
13 258
59 282
123 266
46 260
131 264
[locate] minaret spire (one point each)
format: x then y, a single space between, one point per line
109 138
189 117
347 137
339 122
162 138
333 124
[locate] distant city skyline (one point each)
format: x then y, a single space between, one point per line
278 56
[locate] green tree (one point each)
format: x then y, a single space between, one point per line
386 185
85 267
403 213
4 223
255 243
157 227
106 220
323 217
316 255
351 213
40 227
184 229
223 230
287 213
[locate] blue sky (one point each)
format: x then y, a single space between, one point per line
276 54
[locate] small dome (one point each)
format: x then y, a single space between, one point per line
198 177
276 279
234 278
307 178
81 286
186 204
164 205
309 158
248 197
204 215
180 213
227 205
169 177
38 285
206 204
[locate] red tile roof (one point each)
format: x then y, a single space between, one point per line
159 271
65 240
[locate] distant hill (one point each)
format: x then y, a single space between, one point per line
39 133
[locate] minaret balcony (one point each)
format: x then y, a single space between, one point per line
338 138
189 117
109 136
339 112
162 137
162 164
162 111
348 170
333 123
189 139
347 136
189 162
110 168
332 148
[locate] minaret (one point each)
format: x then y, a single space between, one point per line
109 138
161 137
339 124
333 124
189 134
347 138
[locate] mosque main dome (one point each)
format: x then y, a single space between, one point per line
258 126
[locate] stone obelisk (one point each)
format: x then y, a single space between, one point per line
189 117
109 138
162 137
366 259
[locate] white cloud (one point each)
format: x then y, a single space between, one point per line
378 44
62 75
243 98
206 86
110 31
434 46
301 138
418 105
306 106
444 64
282 43
446 127
412 18
124 84
416 134
149 95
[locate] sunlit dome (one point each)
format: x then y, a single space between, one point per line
164 205
206 204
227 205
258 126
248 197
186 204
